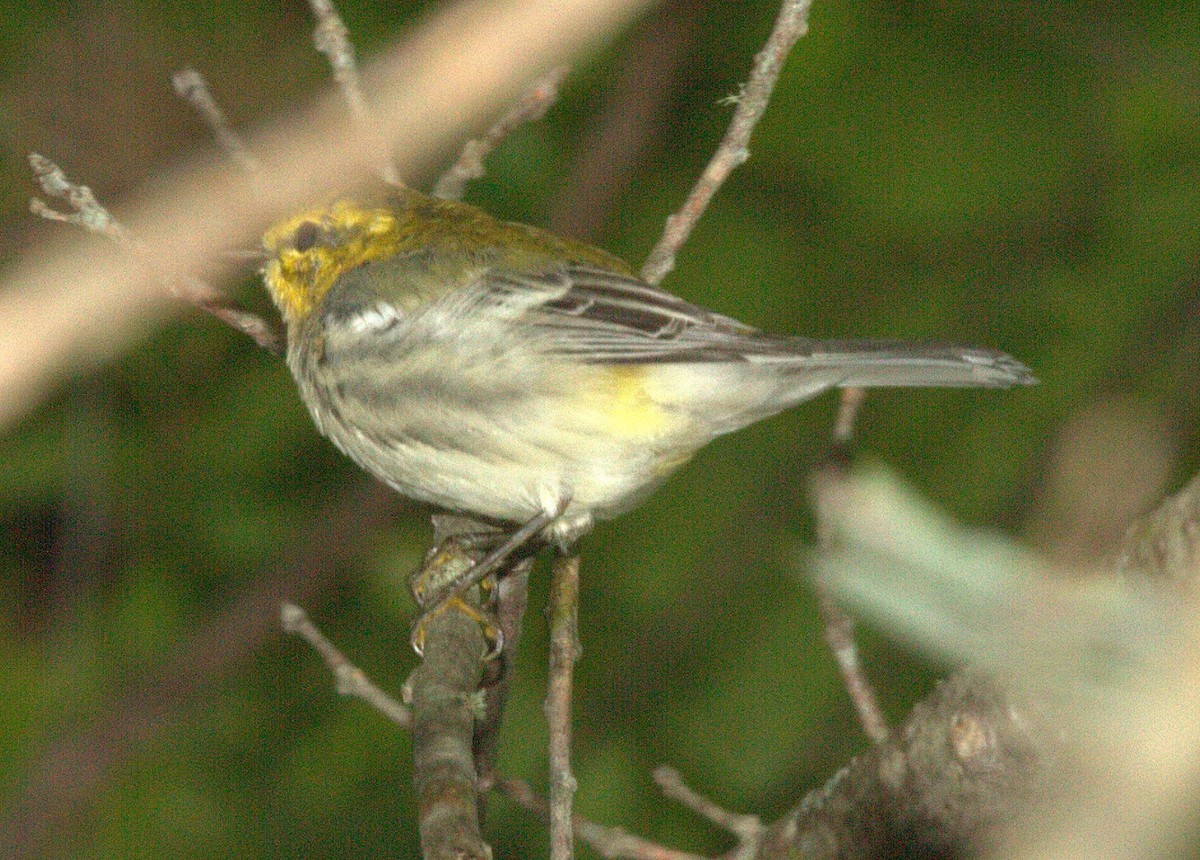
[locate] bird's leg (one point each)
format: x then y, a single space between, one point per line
449 570
445 564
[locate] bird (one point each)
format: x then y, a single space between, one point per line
533 381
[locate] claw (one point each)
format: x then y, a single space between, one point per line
437 582
491 630
450 570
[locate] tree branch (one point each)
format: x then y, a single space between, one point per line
190 86
751 103
564 651
530 107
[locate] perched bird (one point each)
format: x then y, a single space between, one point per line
501 371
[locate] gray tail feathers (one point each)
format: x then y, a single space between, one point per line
871 363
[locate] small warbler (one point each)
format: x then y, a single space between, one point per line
501 371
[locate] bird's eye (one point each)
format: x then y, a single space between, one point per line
306 236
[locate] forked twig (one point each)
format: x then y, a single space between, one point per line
92 216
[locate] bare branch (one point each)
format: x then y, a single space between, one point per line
747 828
564 651
92 216
530 107
605 841
447 704
838 625
350 680
332 38
88 214
190 86
790 25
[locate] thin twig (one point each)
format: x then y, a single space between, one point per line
849 404
838 625
332 38
605 841
190 86
839 634
88 214
564 651
747 828
349 679
790 25
530 107
92 216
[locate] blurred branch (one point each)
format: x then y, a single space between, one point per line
95 218
530 107
63 781
1164 545
1078 732
631 118
751 103
67 311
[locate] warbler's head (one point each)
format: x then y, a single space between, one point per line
308 252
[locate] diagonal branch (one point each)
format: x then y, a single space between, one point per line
790 25
530 107
190 86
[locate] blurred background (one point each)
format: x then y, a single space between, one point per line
1024 177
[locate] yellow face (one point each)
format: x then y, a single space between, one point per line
310 251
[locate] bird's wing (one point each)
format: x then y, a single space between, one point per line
597 315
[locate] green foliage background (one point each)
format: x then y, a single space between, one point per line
1022 176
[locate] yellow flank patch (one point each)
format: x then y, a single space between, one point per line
627 408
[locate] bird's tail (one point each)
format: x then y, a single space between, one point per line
873 363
